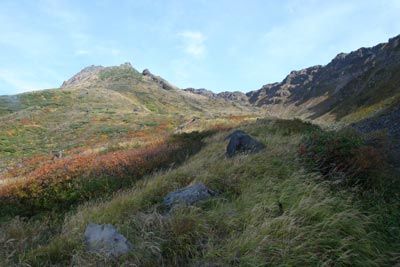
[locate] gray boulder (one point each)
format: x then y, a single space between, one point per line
187 196
242 142
105 239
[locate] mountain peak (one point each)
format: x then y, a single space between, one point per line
84 75
90 74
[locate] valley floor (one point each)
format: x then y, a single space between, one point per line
269 211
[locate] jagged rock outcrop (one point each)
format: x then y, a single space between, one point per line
187 196
163 83
349 82
231 96
105 239
201 91
241 142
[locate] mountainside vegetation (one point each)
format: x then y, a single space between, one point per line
108 146
270 210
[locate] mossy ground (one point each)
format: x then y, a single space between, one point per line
269 212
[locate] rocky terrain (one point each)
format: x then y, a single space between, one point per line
348 84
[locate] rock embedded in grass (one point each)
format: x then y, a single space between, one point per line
105 239
242 142
189 195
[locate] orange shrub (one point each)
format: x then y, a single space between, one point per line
56 185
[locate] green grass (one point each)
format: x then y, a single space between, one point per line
269 211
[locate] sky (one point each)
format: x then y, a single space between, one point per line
221 45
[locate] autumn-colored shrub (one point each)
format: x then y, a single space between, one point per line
342 157
60 184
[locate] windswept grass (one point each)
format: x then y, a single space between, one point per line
269 211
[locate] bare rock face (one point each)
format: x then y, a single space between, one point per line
105 239
187 196
242 142
84 75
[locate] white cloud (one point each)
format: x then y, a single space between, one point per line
193 43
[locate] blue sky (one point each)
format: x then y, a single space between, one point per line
222 45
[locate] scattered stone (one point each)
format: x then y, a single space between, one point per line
105 239
187 196
242 142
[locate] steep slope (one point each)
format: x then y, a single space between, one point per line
100 107
363 81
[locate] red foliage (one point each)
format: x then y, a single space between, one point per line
220 127
64 180
139 134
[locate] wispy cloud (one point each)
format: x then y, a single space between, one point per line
193 43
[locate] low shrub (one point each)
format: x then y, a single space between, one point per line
290 127
341 157
58 185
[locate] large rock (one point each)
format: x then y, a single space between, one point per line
242 142
105 239
187 196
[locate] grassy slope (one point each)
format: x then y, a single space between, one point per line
68 119
243 226
108 111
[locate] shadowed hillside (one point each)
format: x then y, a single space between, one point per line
362 82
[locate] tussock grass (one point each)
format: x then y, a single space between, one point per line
268 212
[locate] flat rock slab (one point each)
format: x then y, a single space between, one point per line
242 142
187 196
105 239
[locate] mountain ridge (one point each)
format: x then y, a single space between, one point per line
318 91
